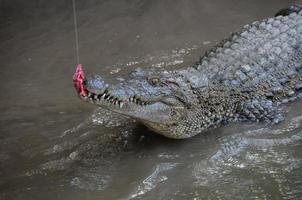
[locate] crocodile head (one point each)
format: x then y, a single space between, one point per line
151 99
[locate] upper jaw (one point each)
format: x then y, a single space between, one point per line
134 92
120 94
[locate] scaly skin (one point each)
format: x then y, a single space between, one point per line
244 78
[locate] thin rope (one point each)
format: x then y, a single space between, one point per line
76 32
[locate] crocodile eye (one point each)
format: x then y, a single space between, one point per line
154 81
173 113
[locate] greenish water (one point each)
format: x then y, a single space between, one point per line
53 146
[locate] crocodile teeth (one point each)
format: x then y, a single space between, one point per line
106 96
114 100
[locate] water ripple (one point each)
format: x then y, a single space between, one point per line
153 179
251 159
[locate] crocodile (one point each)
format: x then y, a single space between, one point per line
248 76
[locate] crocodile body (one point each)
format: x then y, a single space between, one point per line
247 77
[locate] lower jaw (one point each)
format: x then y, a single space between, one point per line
163 130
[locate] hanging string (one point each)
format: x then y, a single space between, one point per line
76 32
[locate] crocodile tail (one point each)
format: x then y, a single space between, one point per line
289 10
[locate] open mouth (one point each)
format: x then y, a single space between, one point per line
104 97
111 99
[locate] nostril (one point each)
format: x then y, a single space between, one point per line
84 82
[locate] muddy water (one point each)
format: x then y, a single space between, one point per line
53 146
